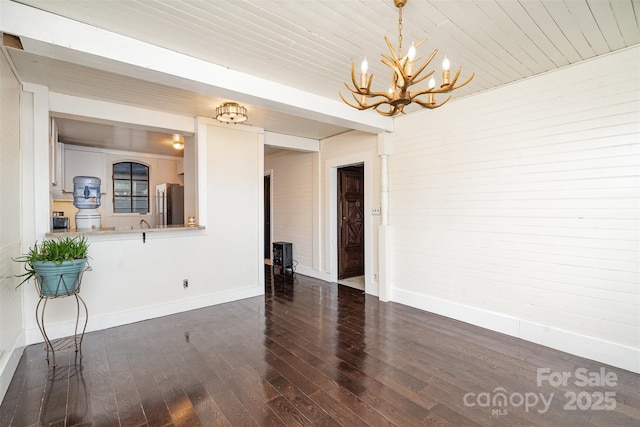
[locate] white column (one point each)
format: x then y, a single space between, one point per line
36 204
384 188
384 230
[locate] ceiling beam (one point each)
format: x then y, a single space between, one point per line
53 36
98 111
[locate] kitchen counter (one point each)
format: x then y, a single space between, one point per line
124 230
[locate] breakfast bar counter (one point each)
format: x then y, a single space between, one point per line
105 231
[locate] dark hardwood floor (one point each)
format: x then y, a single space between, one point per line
317 354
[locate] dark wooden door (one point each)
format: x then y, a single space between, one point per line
350 222
267 216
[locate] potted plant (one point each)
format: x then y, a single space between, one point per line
56 264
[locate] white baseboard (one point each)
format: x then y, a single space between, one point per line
9 364
307 271
97 323
593 348
370 287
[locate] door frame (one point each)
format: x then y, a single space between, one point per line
339 212
269 173
331 167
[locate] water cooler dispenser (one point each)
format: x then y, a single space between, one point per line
86 197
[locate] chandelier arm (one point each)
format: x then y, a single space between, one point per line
461 84
394 84
369 94
392 111
417 45
418 80
445 89
451 86
424 65
374 105
376 94
358 91
389 62
392 50
353 76
424 92
357 106
359 100
357 86
352 89
398 72
454 79
430 106
361 105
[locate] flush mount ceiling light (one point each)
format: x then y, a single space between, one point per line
231 112
404 76
178 141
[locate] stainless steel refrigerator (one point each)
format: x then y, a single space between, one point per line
169 204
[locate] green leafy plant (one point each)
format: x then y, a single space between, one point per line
54 250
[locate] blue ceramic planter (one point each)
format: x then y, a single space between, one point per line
58 279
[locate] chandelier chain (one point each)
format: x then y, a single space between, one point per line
400 31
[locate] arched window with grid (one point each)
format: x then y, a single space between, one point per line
130 187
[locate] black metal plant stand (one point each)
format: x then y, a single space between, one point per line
62 291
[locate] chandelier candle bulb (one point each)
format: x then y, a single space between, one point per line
412 52
363 77
431 97
445 72
411 56
446 64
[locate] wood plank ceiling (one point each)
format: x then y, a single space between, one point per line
310 45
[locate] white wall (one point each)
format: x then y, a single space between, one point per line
11 336
517 209
132 280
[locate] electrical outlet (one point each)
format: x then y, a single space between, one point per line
375 276
375 211
185 283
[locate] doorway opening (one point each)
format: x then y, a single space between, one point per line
350 220
267 219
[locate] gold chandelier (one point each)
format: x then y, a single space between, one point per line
404 76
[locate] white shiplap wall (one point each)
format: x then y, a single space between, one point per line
517 209
291 201
10 299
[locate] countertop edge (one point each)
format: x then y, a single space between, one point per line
118 231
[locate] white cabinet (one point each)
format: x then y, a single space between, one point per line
84 163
